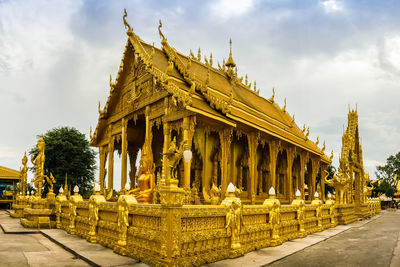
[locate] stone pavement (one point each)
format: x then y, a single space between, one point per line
370 242
373 244
52 247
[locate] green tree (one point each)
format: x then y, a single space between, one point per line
67 152
387 173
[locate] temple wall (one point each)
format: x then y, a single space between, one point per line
82 219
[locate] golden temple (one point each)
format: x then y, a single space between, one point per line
222 171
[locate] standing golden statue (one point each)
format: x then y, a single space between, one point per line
23 175
38 162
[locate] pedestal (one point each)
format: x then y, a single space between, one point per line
38 216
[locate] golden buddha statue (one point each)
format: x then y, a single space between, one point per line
38 161
146 179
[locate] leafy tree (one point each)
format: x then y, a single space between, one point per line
383 187
386 173
67 152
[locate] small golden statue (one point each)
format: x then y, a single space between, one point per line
234 220
146 179
215 193
174 155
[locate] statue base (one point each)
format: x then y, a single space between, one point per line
92 238
37 218
301 234
275 242
234 253
120 248
19 210
171 195
39 215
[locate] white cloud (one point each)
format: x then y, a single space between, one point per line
331 6
226 9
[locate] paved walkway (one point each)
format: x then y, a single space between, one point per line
20 246
374 244
370 242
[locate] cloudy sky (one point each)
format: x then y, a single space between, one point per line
56 58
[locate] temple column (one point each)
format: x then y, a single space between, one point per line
167 140
322 171
188 132
252 141
290 152
102 171
303 162
225 137
315 167
273 153
124 154
111 164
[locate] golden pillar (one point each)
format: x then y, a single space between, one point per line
187 137
167 140
273 154
225 137
322 181
111 164
124 165
303 162
315 167
102 172
252 140
290 155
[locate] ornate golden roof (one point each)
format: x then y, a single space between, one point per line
217 93
7 174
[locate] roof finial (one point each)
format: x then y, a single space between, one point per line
160 33
199 55
230 63
211 60
125 22
273 95
284 106
246 82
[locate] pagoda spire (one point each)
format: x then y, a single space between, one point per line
230 63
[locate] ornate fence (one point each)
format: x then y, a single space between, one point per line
197 234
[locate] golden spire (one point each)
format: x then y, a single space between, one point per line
317 142
230 63
245 80
125 22
211 60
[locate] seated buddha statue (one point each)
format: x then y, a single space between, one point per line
146 179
